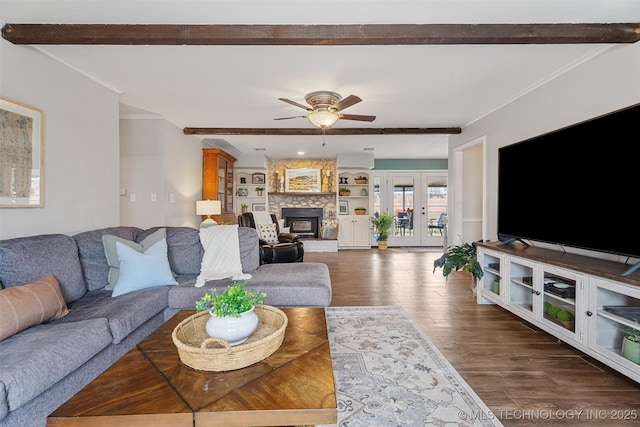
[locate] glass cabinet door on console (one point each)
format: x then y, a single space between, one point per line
490 284
561 293
522 292
614 313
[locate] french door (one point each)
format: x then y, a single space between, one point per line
416 201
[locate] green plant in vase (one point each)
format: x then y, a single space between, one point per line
381 224
235 300
460 257
231 313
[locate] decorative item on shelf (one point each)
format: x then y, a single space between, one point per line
325 181
243 192
244 207
344 180
381 223
232 316
343 191
360 210
559 316
364 192
208 208
631 344
460 257
259 190
343 207
258 178
243 180
281 184
361 179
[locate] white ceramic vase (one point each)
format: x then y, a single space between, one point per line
235 330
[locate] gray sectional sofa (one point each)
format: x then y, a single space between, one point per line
43 366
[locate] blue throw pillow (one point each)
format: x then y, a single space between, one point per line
141 270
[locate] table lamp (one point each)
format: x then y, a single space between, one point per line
208 208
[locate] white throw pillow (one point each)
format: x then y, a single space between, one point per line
109 243
141 270
268 233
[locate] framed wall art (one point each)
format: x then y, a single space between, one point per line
258 178
21 155
303 181
343 207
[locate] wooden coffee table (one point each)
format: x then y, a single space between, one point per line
149 386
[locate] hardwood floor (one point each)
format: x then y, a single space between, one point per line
524 375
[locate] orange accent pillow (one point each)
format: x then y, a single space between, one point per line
28 305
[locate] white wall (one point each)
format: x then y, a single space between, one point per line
81 173
605 83
156 158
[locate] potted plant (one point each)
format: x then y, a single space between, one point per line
360 210
361 179
381 224
631 344
245 207
232 316
344 191
460 257
259 190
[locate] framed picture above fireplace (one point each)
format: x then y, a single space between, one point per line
303 180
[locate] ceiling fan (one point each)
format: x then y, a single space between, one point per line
325 108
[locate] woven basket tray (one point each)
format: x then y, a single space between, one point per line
199 351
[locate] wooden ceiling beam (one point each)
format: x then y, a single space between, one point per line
316 131
299 34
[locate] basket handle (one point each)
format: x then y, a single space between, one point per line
220 341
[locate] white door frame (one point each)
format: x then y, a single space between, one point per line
419 236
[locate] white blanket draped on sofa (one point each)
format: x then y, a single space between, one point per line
221 258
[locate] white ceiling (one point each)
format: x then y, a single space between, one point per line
404 86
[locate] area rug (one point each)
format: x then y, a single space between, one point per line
388 373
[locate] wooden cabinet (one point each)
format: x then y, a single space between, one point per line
354 232
582 301
217 177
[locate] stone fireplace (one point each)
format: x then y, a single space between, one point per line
304 222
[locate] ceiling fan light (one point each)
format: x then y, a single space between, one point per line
322 118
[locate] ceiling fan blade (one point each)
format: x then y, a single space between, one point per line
357 117
346 103
287 118
288 101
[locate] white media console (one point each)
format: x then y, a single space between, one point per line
596 301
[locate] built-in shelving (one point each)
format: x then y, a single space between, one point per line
247 181
354 225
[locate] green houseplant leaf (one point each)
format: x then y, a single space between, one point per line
381 224
236 299
459 257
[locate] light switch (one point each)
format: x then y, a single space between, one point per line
132 198
172 198
154 198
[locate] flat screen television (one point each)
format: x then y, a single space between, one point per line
576 186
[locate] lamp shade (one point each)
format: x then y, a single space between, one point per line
323 118
208 207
